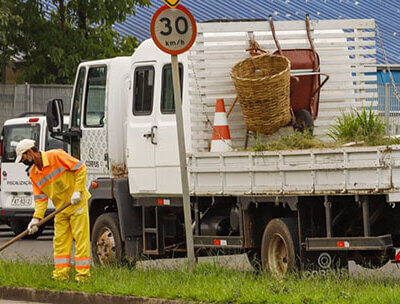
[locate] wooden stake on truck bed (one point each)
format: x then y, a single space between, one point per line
41 222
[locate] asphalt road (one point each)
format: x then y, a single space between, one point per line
42 249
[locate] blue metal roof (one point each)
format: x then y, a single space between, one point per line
384 77
385 12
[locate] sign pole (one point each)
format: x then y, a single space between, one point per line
174 30
182 161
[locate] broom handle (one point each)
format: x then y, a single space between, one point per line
41 222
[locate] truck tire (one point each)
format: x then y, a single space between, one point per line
107 246
280 246
18 226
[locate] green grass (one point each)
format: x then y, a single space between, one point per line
210 283
359 127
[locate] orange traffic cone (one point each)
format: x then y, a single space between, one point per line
221 137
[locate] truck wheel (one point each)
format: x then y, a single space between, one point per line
280 246
107 246
18 226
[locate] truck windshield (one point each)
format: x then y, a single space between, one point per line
13 134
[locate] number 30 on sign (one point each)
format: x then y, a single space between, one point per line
173 29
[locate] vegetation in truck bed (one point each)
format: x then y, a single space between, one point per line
360 128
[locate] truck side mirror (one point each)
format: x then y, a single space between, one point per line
55 116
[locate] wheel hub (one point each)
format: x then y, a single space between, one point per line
105 246
278 255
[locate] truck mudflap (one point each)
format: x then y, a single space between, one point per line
349 243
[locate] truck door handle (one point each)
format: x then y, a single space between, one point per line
151 135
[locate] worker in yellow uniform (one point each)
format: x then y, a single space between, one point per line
60 177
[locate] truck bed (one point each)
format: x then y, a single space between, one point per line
351 170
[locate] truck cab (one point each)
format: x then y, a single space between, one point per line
17 204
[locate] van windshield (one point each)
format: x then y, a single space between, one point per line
13 134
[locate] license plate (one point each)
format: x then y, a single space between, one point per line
21 201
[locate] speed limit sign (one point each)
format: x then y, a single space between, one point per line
173 29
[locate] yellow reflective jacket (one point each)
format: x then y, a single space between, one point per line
60 176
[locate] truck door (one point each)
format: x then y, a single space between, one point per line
142 131
88 120
167 152
94 148
76 113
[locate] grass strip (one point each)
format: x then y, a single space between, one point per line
210 283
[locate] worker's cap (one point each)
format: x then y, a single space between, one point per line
23 146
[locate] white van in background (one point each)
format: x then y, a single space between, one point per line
16 196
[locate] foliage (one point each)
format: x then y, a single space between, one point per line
211 283
9 33
54 42
358 126
294 141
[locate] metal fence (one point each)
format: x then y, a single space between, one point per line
389 107
17 99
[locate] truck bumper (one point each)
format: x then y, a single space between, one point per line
350 243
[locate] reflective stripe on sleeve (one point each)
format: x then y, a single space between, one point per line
40 197
50 176
77 166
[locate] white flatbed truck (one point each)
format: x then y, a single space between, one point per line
320 207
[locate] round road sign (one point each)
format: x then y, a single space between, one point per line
173 29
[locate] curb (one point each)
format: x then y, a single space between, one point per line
68 297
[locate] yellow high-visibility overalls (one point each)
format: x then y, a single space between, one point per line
60 176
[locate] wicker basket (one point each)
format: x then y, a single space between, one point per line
263 86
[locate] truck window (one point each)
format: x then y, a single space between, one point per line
143 90
78 98
14 134
167 93
95 97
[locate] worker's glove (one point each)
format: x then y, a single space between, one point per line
75 198
32 226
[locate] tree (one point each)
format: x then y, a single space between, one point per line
9 33
55 41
